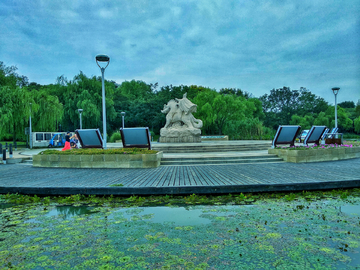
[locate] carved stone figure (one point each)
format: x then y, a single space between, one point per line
181 125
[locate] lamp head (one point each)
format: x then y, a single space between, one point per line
123 113
335 90
80 110
102 58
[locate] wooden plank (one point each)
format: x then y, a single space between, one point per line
164 182
218 176
205 177
147 177
188 178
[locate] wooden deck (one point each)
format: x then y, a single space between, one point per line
202 179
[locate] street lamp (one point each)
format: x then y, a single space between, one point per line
123 116
336 91
103 58
80 112
31 144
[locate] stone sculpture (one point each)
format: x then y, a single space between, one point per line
181 125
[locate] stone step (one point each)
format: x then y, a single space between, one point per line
210 148
216 157
192 162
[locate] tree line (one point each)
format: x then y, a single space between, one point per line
229 111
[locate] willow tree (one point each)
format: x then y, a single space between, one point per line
218 111
86 93
47 111
14 110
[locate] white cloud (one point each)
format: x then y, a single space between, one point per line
253 45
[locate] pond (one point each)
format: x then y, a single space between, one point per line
268 234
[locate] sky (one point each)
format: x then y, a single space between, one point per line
255 45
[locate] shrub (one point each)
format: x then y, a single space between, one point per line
116 136
98 151
7 137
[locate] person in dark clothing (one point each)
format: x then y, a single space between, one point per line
67 142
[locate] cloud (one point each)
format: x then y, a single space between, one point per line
254 45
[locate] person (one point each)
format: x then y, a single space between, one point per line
75 141
67 142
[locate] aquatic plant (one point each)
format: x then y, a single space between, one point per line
303 230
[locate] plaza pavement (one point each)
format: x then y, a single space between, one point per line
178 180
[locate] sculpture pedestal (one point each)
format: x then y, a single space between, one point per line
180 135
183 139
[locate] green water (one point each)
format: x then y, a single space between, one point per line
269 234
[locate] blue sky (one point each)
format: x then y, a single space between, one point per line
252 45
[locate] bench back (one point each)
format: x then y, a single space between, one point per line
285 135
135 137
315 134
89 138
332 132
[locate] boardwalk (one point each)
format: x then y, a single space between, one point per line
203 179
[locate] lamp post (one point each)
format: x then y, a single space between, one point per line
80 112
106 59
336 91
123 116
31 144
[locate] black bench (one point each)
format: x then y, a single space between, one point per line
89 138
315 134
285 135
135 137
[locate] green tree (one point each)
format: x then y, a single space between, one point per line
14 101
322 120
344 122
347 104
14 110
235 91
140 103
48 113
305 122
217 111
357 110
357 125
9 77
281 104
86 93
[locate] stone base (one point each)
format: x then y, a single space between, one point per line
183 139
215 138
333 141
316 155
99 161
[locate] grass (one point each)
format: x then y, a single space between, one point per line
19 144
96 151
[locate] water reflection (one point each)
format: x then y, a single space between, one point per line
67 212
181 216
350 209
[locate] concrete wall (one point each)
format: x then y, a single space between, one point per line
99 161
317 155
